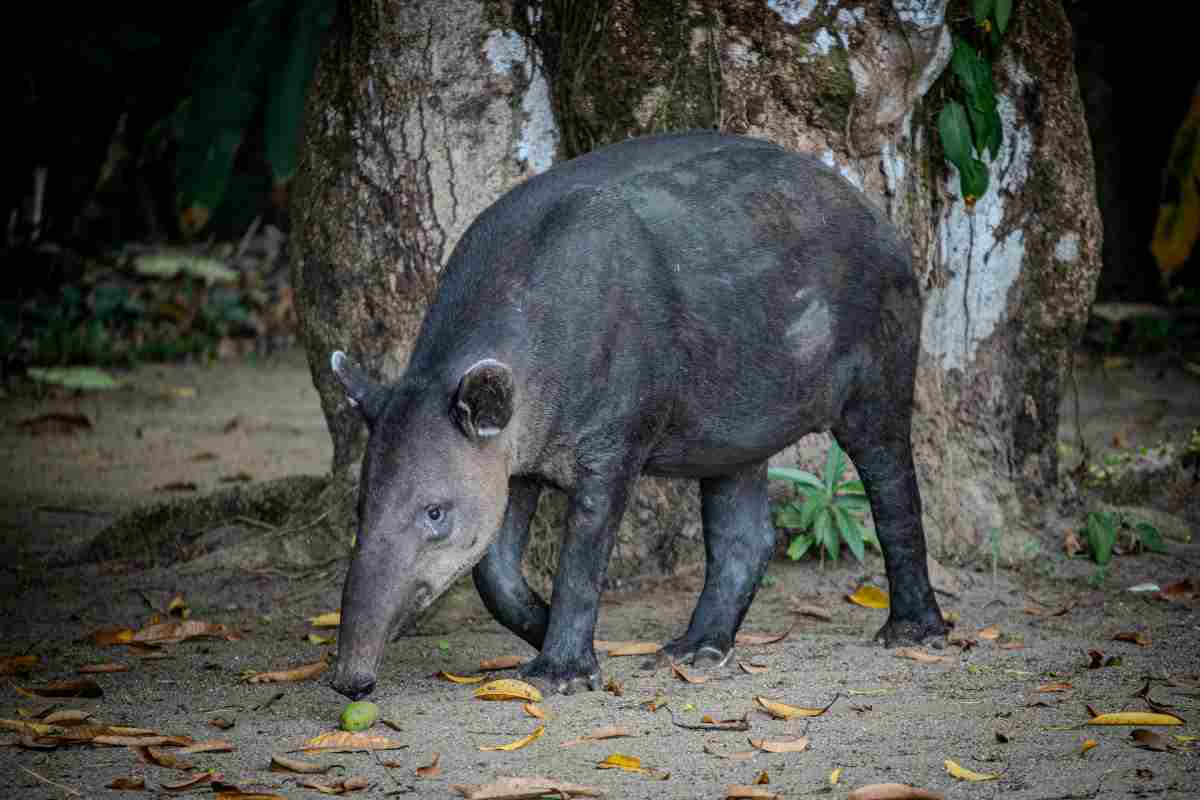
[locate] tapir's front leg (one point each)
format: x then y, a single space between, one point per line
498 577
567 662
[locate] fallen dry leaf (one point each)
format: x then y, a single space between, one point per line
738 792
430 770
1072 544
285 764
709 723
139 740
170 632
330 619
192 782
654 705
1133 637
161 758
534 710
784 711
1180 590
222 723
347 742
835 776
508 689
622 762
303 673
869 596
991 633
110 666
1135 718
447 676
1149 740
18 665
685 676
519 743
67 717
611 732
135 784
964 774
1012 645
616 649
917 654
1058 686
806 610
524 789
75 687
316 638
178 607
341 787
211 746
503 662
891 791
1095 659
763 779
744 755
797 745
1088 744
750 668
614 687
744 638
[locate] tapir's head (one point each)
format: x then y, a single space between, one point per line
432 495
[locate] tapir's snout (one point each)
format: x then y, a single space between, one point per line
356 686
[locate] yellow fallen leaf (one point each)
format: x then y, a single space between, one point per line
797 745
1135 718
891 791
112 637
869 596
619 761
738 792
616 649
18 665
784 711
503 662
519 743
316 638
68 716
964 774
330 619
835 776
303 673
534 710
1087 745
446 676
508 689
991 633
763 779
347 742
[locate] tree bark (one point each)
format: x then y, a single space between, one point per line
425 112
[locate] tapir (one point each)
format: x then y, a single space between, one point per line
681 305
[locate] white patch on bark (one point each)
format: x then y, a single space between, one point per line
538 142
847 171
933 69
1067 247
823 42
922 13
793 12
848 19
894 166
982 260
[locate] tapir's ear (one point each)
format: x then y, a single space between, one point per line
362 392
483 404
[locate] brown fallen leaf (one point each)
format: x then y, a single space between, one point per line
614 687
467 679
962 644
110 666
617 649
1149 740
430 770
1072 544
74 687
891 791
534 710
348 742
222 723
708 723
816 612
750 668
170 632
18 665
739 792
503 662
1088 744
1133 637
524 789
763 779
917 654
1095 659
1177 591
611 732
744 638
784 711
303 673
518 744
343 786
797 745
211 746
744 755
991 633
192 782
113 636
284 764
1014 645
1058 686
134 784
67 717
685 676
161 758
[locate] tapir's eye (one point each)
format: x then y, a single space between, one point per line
437 521
434 513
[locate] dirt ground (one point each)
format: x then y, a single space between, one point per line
893 720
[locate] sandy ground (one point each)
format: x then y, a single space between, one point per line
894 719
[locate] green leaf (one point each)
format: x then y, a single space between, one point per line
88 378
852 533
955 133
797 476
852 487
852 502
835 465
799 546
972 180
790 516
870 538
995 135
812 508
982 9
1102 535
962 65
169 264
826 533
1150 538
1003 14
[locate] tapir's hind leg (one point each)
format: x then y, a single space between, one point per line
738 544
876 436
498 577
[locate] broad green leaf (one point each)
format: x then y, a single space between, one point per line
1102 535
962 64
797 476
283 114
1150 538
972 180
812 509
1003 14
852 487
89 378
826 533
852 502
790 516
955 133
995 135
168 265
982 9
799 546
835 465
870 538
851 531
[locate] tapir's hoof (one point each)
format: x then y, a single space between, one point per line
703 654
559 678
931 631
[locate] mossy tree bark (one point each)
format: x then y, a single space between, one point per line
425 111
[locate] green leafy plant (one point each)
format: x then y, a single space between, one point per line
827 510
1104 529
969 125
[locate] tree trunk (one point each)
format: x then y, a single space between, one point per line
424 112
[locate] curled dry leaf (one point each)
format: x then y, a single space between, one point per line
110 666
614 687
1149 740
806 610
708 722
1135 718
211 746
168 632
744 638
750 668
835 776
1133 637
303 673
611 732
891 791
192 782
524 789
685 676
534 710
447 676
917 654
797 745
738 792
285 764
622 762
616 649
134 784
1088 744
508 689
763 779
784 711
67 717
869 596
518 744
964 774
744 755
76 687
330 619
659 701
161 758
222 723
347 742
355 784
1058 686
113 636
503 662
430 770
18 665
991 633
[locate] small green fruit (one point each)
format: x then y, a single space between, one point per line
359 716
